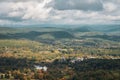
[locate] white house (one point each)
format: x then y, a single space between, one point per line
44 68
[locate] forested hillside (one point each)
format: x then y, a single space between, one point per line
88 52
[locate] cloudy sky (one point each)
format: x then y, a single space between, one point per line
59 12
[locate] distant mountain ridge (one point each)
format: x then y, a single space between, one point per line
74 32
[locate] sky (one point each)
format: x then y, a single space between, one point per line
30 12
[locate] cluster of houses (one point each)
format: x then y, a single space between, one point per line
71 60
63 59
38 67
76 59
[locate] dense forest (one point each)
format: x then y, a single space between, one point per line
59 53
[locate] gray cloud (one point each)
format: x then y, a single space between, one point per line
9 18
85 5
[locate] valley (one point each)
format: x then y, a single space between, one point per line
66 53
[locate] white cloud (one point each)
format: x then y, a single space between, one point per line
25 10
37 11
59 11
110 7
